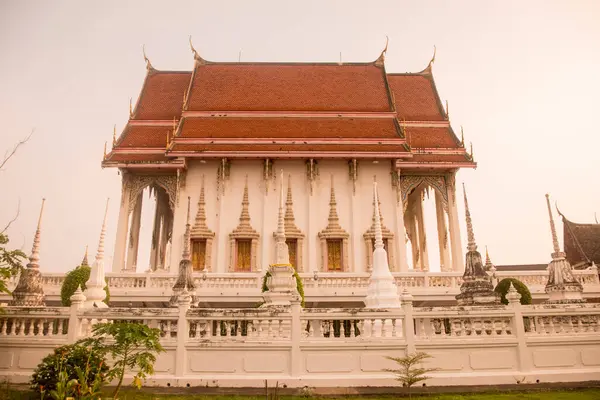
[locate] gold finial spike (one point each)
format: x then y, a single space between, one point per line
433 57
174 126
104 158
387 41
196 55
447 110
596 218
130 108
471 145
148 64
552 227
84 261
114 136
381 59
462 137
167 145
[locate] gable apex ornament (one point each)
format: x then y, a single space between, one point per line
197 58
149 66
381 59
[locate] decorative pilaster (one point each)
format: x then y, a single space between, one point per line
200 230
476 287
223 176
185 280
118 262
424 252
312 172
562 286
353 173
244 231
94 292
30 291
382 291
333 231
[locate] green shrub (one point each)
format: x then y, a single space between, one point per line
66 358
503 286
75 278
299 284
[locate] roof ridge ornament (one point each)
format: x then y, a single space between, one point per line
130 108
197 58
381 59
462 137
114 136
471 245
596 218
104 157
149 66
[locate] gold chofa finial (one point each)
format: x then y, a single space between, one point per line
471 155
387 40
104 158
130 108
148 64
462 137
197 57
381 59
114 136
433 57
447 110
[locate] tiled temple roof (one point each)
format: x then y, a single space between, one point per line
290 110
581 242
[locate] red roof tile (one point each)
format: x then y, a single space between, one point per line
297 128
284 147
162 95
581 242
416 98
136 136
431 137
288 87
439 158
120 157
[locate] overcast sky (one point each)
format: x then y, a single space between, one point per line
522 77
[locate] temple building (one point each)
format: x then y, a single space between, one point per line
218 133
581 243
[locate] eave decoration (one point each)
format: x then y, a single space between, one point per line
333 231
408 183
134 184
244 231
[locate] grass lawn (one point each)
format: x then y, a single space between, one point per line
579 394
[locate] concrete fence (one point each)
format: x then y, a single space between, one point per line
329 347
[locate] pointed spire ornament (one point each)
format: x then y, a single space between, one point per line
185 280
130 108
562 286
197 58
104 157
29 291
433 57
149 66
333 216
282 255
84 262
94 292
382 291
477 287
245 214
381 59
462 137
114 136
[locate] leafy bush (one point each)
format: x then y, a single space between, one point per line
503 286
299 284
67 359
75 278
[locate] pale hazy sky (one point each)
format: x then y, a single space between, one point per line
522 77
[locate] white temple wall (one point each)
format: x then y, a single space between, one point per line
263 207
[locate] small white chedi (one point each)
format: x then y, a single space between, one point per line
382 291
94 291
281 282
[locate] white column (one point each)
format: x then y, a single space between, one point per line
118 263
400 233
454 228
155 239
266 236
134 234
422 232
356 264
221 250
412 232
312 245
445 263
167 225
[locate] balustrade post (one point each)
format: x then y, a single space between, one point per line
184 302
426 279
406 299
74 328
296 335
514 303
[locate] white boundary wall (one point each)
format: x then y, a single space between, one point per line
314 347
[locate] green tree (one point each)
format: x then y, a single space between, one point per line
10 260
131 346
503 286
75 278
11 263
410 371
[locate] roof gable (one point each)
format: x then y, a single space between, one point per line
416 97
162 95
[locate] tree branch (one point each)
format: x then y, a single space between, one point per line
8 155
14 218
